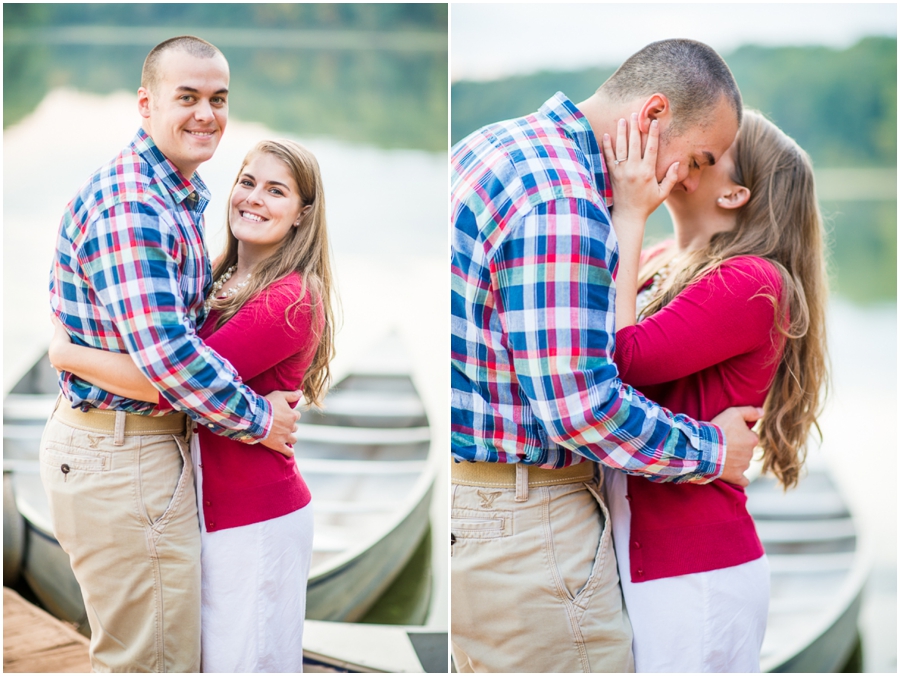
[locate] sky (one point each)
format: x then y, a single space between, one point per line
491 41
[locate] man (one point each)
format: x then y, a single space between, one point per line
536 397
131 274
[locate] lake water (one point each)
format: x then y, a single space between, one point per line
386 217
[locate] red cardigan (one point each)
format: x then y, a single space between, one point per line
244 484
714 346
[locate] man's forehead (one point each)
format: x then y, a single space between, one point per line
180 65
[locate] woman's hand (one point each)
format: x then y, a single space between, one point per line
636 192
58 344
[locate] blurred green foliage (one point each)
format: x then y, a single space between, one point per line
840 106
387 98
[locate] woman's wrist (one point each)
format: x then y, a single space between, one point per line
57 355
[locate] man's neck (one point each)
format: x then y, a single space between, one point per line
603 115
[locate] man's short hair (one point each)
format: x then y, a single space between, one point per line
186 43
691 74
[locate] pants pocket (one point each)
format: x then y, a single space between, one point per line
69 459
164 472
580 541
471 524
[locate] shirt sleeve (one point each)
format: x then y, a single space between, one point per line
132 262
725 313
556 300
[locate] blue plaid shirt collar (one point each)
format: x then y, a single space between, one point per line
163 168
563 112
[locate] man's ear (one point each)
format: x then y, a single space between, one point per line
144 102
735 198
655 108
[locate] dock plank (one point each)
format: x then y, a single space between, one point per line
36 642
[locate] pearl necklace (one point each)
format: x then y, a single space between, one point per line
221 282
648 295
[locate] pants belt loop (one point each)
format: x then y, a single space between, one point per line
119 439
521 482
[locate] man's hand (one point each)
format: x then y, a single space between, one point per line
281 437
741 441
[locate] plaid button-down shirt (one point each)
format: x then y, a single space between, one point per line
131 274
533 320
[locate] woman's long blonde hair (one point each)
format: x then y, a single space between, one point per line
781 223
305 251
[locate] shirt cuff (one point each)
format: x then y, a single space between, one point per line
712 449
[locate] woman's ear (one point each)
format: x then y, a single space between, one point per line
305 210
734 198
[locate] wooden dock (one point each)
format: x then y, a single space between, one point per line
36 642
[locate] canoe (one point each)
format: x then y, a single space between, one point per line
819 566
365 456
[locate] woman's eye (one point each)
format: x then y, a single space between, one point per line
277 191
247 183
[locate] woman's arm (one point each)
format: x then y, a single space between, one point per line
113 371
723 314
636 194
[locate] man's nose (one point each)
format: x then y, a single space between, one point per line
203 111
691 182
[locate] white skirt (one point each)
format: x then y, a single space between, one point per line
711 622
253 591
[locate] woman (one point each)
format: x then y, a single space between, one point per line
732 314
271 317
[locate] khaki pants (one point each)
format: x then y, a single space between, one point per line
534 581
126 515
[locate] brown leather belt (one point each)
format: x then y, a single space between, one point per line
503 474
104 421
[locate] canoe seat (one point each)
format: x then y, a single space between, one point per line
364 467
810 563
366 436
805 531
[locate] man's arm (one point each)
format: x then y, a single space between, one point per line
131 259
556 300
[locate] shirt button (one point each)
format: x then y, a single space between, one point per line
637 545
640 571
208 503
211 525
